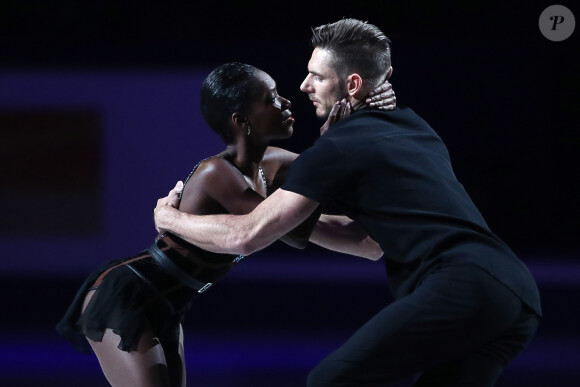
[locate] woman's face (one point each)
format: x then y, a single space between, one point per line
270 116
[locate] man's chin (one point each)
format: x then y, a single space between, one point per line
323 115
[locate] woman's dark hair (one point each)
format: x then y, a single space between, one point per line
226 90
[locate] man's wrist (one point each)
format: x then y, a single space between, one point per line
164 218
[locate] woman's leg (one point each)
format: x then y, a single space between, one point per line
146 366
175 358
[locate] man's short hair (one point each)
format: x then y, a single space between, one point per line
356 47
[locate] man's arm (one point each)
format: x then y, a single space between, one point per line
276 163
237 234
342 234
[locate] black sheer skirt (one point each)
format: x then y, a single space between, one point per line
138 294
131 299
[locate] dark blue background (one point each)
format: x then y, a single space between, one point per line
503 97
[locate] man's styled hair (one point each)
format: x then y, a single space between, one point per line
226 90
356 46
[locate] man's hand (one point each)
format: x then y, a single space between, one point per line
341 109
171 200
383 97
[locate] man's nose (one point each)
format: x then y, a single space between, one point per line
305 86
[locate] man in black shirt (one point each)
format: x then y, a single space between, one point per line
464 306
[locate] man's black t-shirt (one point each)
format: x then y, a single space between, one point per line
392 173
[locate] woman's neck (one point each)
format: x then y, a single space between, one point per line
246 157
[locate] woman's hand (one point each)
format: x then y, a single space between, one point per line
341 109
383 97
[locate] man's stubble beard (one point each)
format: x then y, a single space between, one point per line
339 96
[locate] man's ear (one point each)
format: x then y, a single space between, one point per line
390 72
353 84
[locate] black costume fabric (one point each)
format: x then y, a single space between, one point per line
465 305
144 292
138 294
391 172
460 327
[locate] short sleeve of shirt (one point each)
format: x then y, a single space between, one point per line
315 174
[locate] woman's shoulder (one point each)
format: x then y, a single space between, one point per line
275 163
214 170
278 156
215 165
210 178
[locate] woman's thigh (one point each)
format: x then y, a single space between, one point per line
145 366
152 364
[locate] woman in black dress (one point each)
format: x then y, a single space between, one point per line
129 311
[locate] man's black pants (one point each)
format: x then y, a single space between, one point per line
460 327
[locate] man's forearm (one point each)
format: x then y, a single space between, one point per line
216 233
237 234
342 234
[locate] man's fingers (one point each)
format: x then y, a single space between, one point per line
178 187
172 198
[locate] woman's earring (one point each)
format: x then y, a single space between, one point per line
249 129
